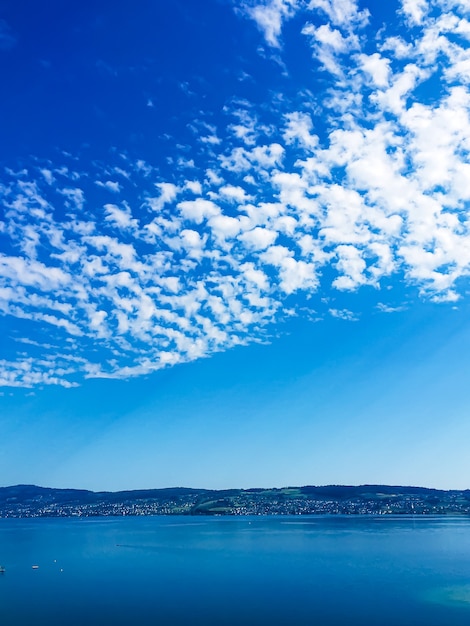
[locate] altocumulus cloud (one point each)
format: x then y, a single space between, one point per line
367 177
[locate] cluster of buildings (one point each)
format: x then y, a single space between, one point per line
179 506
247 503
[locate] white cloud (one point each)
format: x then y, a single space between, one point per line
258 238
48 175
192 242
386 308
168 193
351 267
415 10
224 226
344 13
297 275
343 314
110 185
75 197
234 193
395 98
120 217
270 16
20 271
299 129
377 67
329 45
194 186
198 210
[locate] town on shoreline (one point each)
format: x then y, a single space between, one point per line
27 501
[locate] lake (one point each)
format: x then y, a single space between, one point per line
323 571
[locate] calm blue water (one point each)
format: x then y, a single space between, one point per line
323 571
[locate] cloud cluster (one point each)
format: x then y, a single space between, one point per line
117 271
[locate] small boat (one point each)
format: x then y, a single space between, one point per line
2 569
35 566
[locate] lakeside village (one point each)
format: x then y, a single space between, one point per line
29 502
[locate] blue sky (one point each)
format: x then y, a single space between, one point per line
234 243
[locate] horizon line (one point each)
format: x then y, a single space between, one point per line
388 486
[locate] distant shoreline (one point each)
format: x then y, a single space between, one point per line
28 501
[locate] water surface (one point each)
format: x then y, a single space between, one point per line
325 571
